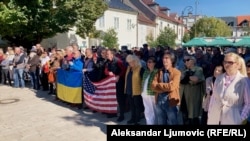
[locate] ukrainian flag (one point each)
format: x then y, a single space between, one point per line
69 86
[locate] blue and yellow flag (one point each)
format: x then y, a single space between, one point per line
69 86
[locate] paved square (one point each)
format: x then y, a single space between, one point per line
27 115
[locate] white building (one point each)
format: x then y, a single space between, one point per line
123 19
153 18
133 20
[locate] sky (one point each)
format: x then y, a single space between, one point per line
216 8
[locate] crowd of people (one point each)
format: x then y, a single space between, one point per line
183 86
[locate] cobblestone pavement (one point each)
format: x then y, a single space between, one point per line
28 115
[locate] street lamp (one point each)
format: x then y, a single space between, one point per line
190 10
196 3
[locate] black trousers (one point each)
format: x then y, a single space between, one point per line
204 118
5 76
136 107
45 81
121 97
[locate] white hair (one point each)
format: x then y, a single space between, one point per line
134 58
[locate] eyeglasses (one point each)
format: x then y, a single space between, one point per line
228 62
186 60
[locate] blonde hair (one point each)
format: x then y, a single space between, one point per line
1 51
240 61
242 68
11 52
134 58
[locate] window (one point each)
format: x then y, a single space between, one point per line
116 23
161 25
101 22
190 20
129 24
245 24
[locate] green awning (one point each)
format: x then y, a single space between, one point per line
196 42
244 42
219 42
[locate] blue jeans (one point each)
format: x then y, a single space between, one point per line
34 80
18 78
166 114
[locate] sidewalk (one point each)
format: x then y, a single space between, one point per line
27 115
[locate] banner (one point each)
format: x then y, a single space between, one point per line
101 96
69 86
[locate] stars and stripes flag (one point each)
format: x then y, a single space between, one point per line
101 96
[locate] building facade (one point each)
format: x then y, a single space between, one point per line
133 20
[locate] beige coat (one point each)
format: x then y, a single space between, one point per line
227 108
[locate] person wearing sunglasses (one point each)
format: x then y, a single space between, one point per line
230 102
148 96
192 89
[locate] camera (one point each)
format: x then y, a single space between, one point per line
189 73
186 80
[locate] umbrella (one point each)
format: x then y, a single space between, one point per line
244 42
220 41
196 42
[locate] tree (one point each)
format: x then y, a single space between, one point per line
110 39
246 31
167 37
186 37
150 40
24 22
210 27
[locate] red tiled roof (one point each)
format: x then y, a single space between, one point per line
148 2
160 13
173 15
142 18
240 19
164 16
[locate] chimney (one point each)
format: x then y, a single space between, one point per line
167 12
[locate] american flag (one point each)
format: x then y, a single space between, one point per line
88 86
101 96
